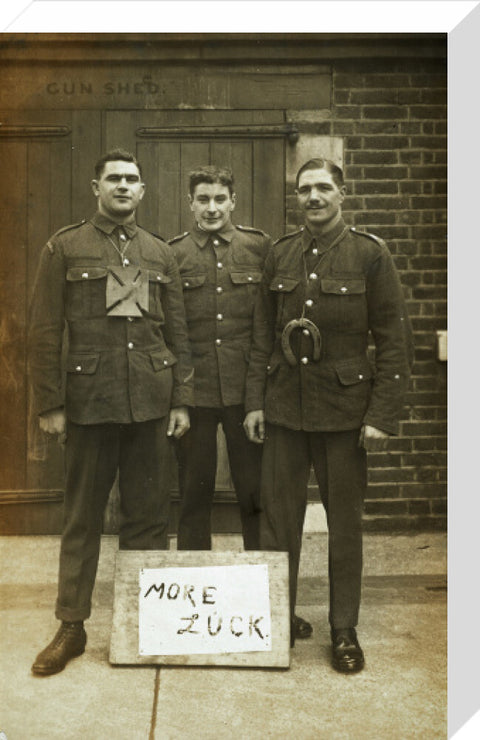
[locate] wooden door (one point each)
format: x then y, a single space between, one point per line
47 162
46 167
168 145
171 143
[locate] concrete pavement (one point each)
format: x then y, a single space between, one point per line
401 694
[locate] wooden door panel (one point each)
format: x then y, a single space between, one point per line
258 166
50 157
13 397
238 156
159 210
268 185
193 154
86 147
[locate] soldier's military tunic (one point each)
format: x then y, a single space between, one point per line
318 387
220 274
127 364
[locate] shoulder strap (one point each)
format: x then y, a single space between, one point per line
251 229
289 236
178 238
373 237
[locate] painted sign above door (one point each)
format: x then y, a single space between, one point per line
160 86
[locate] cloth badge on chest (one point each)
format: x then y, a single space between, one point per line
127 291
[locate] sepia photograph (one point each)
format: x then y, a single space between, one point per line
223 384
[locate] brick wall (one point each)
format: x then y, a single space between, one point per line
391 116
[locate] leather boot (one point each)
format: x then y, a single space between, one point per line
69 642
347 655
303 629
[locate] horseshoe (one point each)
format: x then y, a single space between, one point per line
314 333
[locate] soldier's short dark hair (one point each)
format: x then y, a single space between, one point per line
116 155
211 174
322 164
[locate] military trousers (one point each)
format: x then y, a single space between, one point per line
197 459
340 469
141 453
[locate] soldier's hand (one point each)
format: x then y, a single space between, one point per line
372 439
179 422
53 422
254 425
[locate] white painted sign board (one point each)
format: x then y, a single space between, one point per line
216 609
201 608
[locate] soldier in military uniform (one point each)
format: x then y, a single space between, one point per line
128 383
221 267
313 397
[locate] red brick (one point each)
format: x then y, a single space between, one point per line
406 247
431 459
425 398
349 81
409 217
419 506
428 217
439 506
411 156
386 80
395 475
377 524
343 128
354 142
424 248
428 172
430 443
434 97
342 96
428 263
354 173
434 232
428 81
430 292
383 490
427 111
369 127
386 142
395 232
384 459
435 278
409 96
352 204
440 308
423 427
412 128
346 111
410 278
410 187
386 173
426 475
384 96
384 187
386 507
441 157
422 490
373 217
428 142
374 157
383 112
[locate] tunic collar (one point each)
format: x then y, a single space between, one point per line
201 237
323 241
106 225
